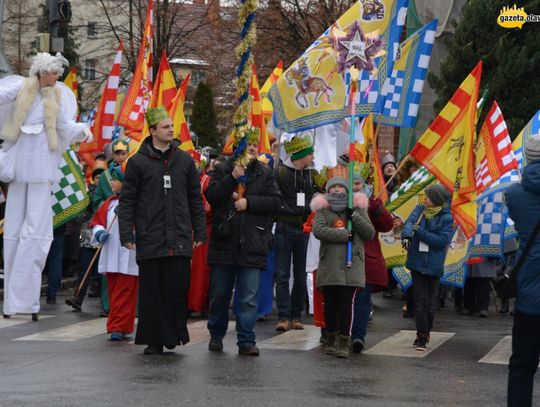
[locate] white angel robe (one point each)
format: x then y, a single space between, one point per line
114 257
31 167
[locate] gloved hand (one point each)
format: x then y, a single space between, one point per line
351 236
89 136
102 236
415 227
405 243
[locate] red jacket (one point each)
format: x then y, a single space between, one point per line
375 265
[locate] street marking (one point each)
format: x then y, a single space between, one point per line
305 339
198 331
19 319
400 344
500 354
70 333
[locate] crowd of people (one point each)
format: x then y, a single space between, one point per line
177 234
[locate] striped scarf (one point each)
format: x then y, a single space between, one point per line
430 213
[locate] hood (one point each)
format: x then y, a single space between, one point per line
319 201
288 163
531 178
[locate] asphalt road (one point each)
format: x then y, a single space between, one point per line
66 359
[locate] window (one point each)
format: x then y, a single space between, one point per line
90 69
198 77
91 30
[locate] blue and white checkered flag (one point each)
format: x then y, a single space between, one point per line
402 90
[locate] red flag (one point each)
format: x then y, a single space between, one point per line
103 123
164 87
494 154
138 96
176 112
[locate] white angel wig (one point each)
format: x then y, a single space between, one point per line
44 63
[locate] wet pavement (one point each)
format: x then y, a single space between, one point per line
66 359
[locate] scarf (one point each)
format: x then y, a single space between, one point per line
430 213
337 201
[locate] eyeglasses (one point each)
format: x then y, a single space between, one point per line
120 152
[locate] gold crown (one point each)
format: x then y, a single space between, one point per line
298 143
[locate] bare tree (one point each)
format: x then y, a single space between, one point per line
20 18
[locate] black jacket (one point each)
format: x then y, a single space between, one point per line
290 182
162 222
242 238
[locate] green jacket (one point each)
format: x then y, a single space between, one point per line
333 252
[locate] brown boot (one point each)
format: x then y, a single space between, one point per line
283 325
297 324
343 347
331 343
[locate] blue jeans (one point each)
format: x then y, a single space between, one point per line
54 268
290 241
222 282
362 308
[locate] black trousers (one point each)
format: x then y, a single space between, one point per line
524 359
426 296
338 308
163 288
476 294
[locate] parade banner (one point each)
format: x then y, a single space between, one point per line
402 90
69 196
494 154
313 93
446 149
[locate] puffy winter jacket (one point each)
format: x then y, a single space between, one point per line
242 238
162 222
436 233
523 201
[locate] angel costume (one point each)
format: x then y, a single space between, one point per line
37 126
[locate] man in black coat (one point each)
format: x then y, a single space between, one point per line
161 212
239 244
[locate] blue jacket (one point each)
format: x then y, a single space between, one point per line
436 233
523 201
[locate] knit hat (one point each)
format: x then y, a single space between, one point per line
299 146
44 63
154 115
337 181
120 145
438 194
532 149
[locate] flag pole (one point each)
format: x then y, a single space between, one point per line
352 102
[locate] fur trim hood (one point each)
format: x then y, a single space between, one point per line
319 201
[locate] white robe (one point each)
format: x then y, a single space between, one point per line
32 167
114 258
